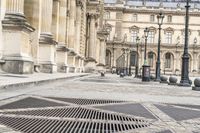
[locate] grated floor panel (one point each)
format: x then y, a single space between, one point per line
67 119
79 101
33 125
30 102
76 112
132 109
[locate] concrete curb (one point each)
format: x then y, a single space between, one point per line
39 82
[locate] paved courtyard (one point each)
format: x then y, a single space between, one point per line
100 105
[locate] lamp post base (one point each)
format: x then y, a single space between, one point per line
146 73
184 84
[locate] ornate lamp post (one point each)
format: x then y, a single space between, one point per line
160 18
137 62
145 67
185 58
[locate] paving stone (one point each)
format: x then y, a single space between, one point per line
166 131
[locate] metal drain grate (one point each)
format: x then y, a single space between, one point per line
85 101
32 125
30 103
76 112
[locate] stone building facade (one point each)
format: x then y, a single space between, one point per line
127 19
52 36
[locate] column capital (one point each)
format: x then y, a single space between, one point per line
79 3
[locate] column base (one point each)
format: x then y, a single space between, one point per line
90 67
100 68
18 67
184 84
62 68
48 68
71 69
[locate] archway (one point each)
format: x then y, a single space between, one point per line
169 62
152 60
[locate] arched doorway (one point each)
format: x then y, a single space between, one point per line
108 58
169 63
152 60
133 62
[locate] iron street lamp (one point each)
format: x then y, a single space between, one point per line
145 67
137 62
160 18
185 81
146 33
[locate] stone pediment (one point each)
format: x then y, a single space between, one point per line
134 28
169 29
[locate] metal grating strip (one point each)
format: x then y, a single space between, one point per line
30 103
84 101
34 125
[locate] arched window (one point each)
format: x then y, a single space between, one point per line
151 59
135 18
168 60
107 15
133 58
108 58
169 18
152 18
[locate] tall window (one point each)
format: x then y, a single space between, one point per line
169 19
133 58
152 18
168 37
134 17
107 15
168 60
133 36
151 36
150 59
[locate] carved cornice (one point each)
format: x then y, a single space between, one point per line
150 11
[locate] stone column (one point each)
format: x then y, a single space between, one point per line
47 44
62 49
91 59
16 31
71 32
92 39
79 7
78 25
55 28
72 36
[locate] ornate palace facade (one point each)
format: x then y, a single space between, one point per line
52 36
127 19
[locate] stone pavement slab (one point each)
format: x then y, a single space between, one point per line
13 80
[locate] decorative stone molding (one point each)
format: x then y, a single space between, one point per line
169 29
134 28
16 22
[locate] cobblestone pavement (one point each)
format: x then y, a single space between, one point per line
148 107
